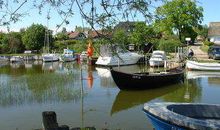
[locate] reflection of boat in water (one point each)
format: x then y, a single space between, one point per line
103 72
200 74
183 116
50 66
16 65
128 99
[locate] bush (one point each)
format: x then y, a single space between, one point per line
168 45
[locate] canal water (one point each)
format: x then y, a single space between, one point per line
86 96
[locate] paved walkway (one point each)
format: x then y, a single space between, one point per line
198 53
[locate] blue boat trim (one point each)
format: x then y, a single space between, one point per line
162 111
162 124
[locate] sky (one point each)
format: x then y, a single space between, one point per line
211 14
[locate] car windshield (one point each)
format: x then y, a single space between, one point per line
217 50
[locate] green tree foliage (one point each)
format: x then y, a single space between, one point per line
120 37
168 45
178 15
142 34
202 31
61 36
34 37
12 43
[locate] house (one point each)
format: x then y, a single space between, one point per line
214 32
76 35
98 34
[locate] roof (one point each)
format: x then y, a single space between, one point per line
214 29
98 33
73 35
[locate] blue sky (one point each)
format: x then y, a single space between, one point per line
211 14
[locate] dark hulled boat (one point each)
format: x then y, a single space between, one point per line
146 80
183 116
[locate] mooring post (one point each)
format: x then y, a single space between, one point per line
50 120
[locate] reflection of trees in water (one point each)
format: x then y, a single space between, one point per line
214 80
190 91
39 87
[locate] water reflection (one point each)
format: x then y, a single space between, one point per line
35 86
29 89
201 74
128 99
190 92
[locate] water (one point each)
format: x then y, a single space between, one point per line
26 90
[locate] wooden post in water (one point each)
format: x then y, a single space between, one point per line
50 121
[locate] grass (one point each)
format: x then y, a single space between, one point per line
204 48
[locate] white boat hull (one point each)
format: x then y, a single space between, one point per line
16 59
125 59
67 58
193 65
50 57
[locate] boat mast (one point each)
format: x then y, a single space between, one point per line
47 34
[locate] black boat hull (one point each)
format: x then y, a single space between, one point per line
145 80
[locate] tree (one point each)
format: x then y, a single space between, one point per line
61 36
100 14
202 31
34 36
185 16
142 34
120 37
12 43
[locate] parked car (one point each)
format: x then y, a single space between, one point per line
214 52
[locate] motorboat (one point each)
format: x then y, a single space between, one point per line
83 56
68 55
208 66
146 80
183 116
158 58
119 57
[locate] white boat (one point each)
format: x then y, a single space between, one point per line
4 58
194 65
123 58
50 57
16 59
157 58
109 57
83 56
68 55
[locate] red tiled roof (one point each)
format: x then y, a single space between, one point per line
73 35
